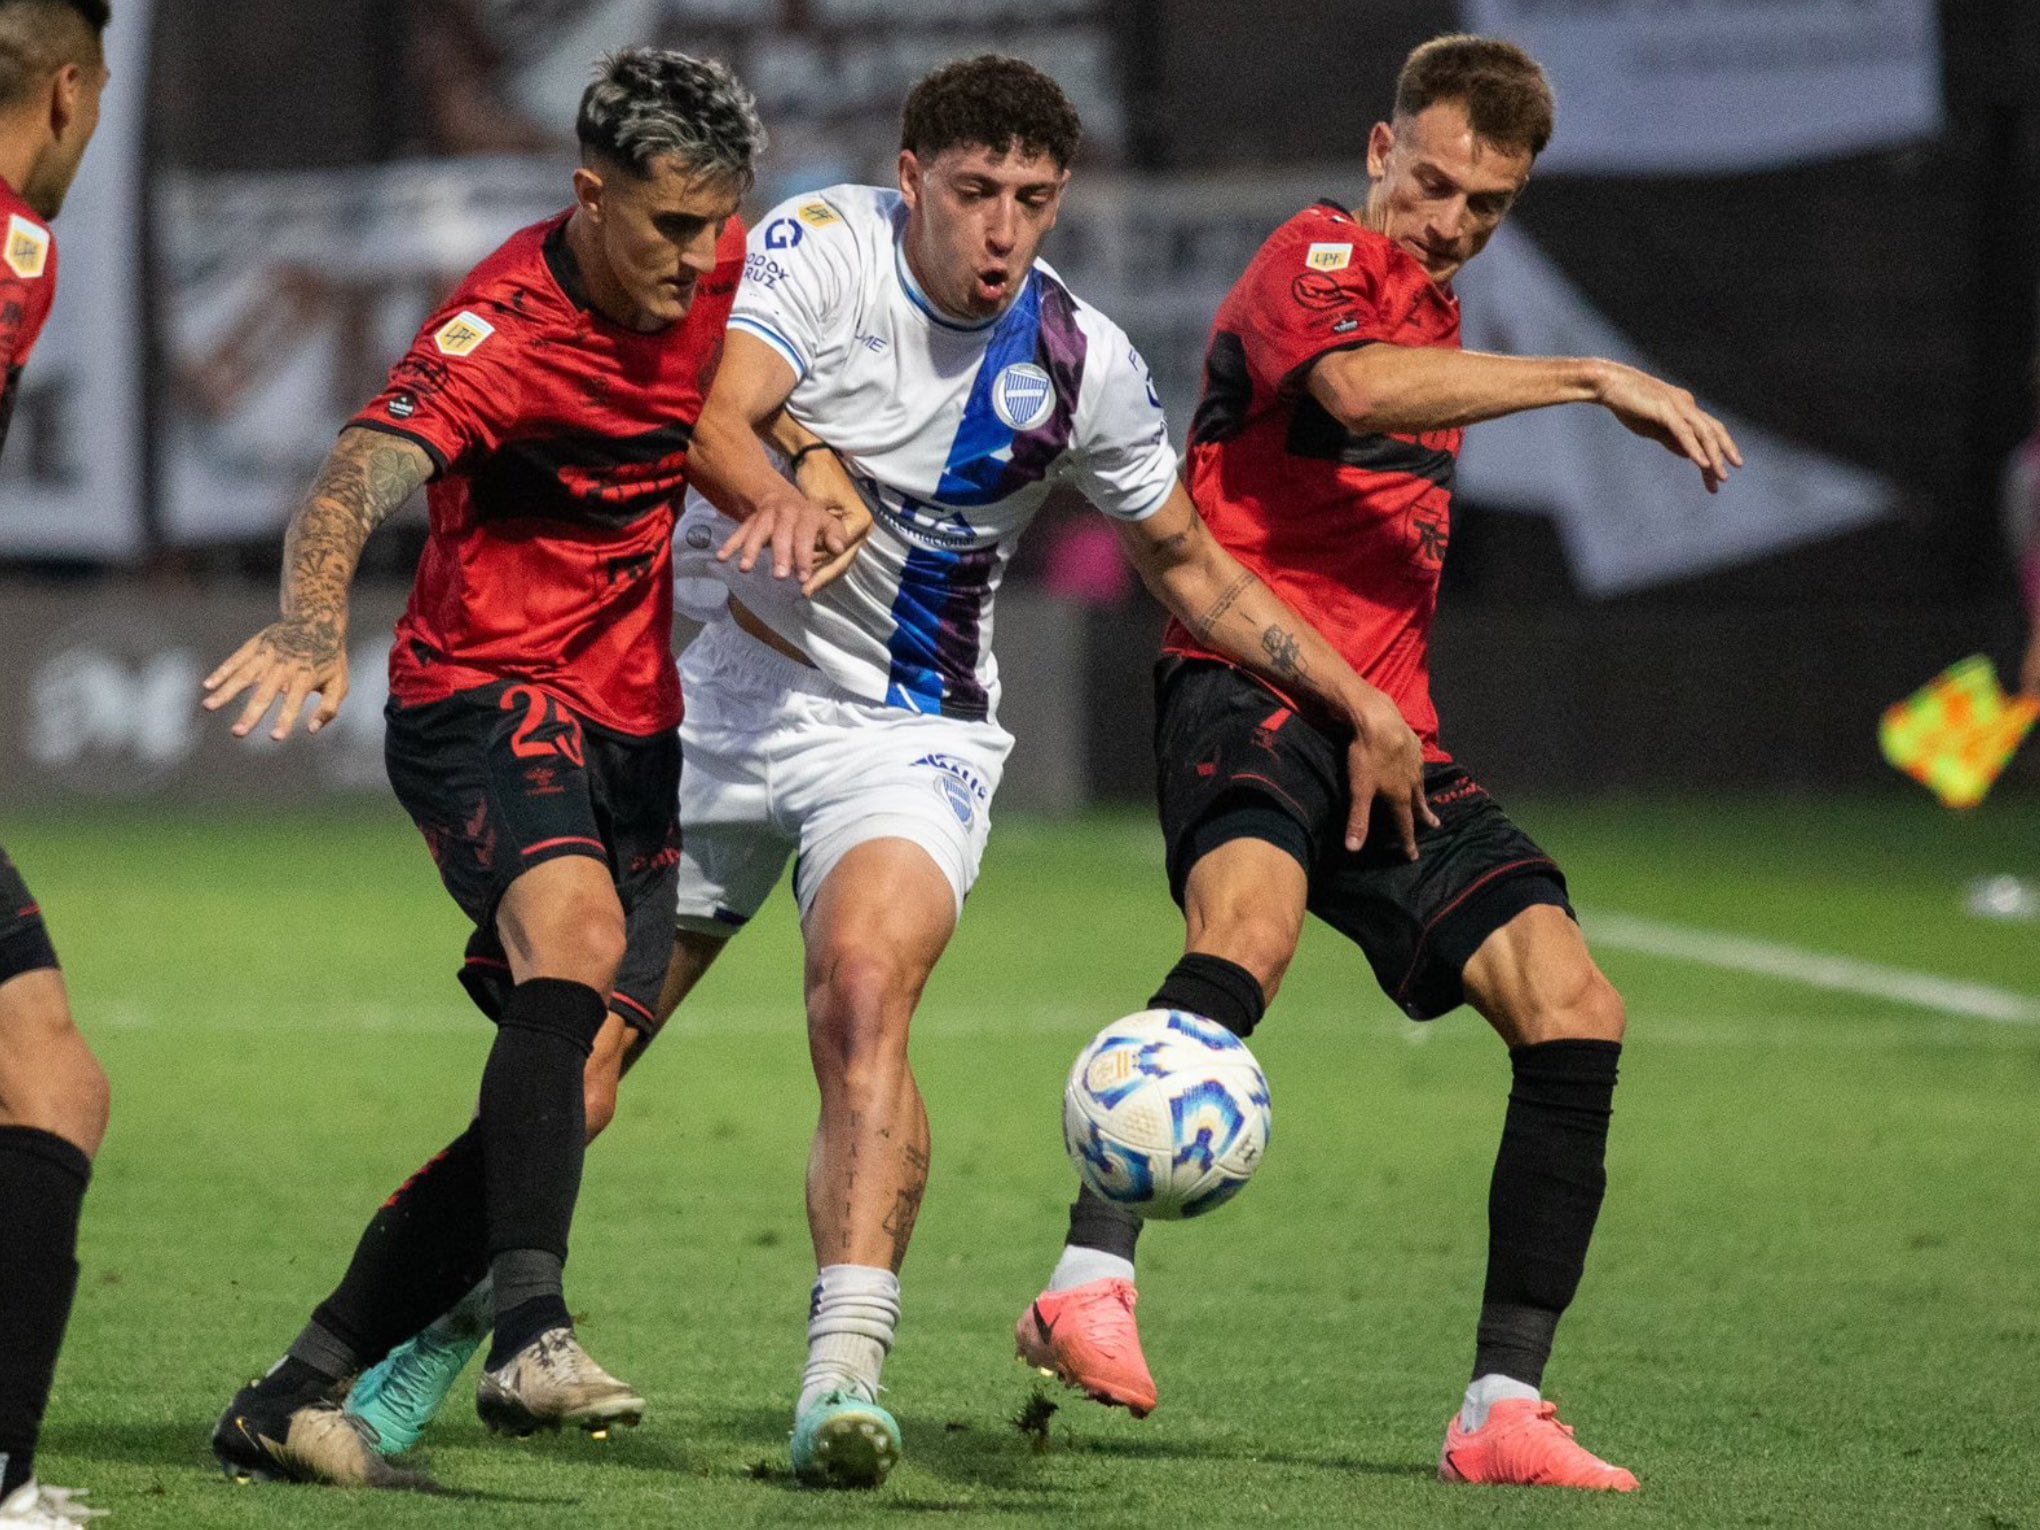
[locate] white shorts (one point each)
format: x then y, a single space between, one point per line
778 758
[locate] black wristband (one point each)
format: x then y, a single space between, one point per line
793 462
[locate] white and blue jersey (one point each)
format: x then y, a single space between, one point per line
956 434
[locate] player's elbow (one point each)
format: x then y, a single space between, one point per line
1349 396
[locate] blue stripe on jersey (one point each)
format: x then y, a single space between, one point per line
937 618
976 473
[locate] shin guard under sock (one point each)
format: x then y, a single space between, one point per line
424 1249
1215 988
534 1136
1549 1178
42 1187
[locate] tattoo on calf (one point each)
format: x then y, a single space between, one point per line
907 1208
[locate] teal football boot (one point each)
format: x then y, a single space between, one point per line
400 1396
845 1440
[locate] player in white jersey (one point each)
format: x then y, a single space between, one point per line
958 382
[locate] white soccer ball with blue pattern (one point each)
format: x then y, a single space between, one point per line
1166 1114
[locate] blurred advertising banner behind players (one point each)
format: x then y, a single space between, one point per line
1707 86
317 175
300 248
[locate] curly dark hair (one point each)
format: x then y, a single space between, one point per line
991 101
1506 96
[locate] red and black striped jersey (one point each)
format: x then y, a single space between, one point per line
561 442
28 286
1350 530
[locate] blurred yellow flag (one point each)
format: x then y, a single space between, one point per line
1955 734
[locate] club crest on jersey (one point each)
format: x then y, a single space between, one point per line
817 214
463 334
28 247
1328 257
1023 396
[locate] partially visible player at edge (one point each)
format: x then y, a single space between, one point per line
53 1093
533 702
1322 455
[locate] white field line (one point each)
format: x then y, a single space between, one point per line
1813 969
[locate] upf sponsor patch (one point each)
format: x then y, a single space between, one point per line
28 247
463 334
817 214
1328 257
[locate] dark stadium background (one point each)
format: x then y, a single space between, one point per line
1877 308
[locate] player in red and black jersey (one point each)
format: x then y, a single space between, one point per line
1322 457
533 703
53 1093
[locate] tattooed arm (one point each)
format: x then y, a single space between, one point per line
1237 616
367 477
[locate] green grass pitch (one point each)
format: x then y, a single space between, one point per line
1815 1298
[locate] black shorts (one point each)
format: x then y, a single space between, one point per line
504 777
24 941
1235 762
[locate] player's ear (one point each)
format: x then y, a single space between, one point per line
588 192
1380 144
910 178
66 89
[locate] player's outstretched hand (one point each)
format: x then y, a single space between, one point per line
291 659
1385 762
796 529
1671 417
823 479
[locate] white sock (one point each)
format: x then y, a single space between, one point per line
852 1313
1483 1392
1079 1266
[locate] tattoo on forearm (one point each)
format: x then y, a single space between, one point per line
1207 623
1285 654
364 482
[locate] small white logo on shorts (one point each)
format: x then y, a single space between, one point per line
1023 396
957 795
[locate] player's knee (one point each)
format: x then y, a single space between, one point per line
855 1008
1590 1010
1264 946
598 1100
586 942
92 1107
65 1092
1255 937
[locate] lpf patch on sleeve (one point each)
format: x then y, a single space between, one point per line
1328 257
817 214
463 334
28 247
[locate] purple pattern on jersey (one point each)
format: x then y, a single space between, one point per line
939 617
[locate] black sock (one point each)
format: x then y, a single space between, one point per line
1096 1223
42 1186
1215 988
534 1136
423 1251
1542 1203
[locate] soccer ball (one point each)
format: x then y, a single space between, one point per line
1166 1113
